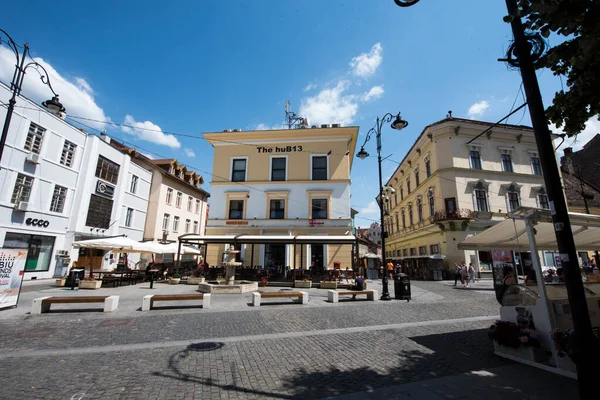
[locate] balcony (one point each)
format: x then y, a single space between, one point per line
458 215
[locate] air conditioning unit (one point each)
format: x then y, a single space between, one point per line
62 253
335 125
324 125
105 189
21 206
33 158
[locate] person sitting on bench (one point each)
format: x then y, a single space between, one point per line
359 284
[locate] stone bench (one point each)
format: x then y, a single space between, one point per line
333 296
42 304
257 296
148 301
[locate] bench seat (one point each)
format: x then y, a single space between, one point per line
42 304
257 296
148 301
333 296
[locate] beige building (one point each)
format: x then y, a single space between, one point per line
282 182
455 182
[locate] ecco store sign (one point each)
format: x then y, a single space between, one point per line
37 222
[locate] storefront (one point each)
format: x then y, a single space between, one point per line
39 248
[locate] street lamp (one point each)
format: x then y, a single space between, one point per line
522 54
53 105
397 124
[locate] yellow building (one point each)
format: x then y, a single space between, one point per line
458 179
282 183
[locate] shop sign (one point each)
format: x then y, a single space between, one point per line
236 222
277 149
37 222
12 266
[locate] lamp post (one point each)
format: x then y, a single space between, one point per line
398 124
53 105
521 54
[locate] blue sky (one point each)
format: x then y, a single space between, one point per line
196 66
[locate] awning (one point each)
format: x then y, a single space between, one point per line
511 233
119 243
267 239
159 248
431 257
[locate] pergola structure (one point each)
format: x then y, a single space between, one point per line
194 239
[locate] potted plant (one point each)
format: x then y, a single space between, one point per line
516 342
90 282
175 279
264 280
61 281
303 283
329 283
197 278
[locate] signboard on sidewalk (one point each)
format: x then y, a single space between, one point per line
12 266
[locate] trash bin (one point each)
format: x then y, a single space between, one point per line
401 287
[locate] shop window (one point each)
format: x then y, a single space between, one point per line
107 170
39 249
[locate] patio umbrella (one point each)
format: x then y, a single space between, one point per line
116 244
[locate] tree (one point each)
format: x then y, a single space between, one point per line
577 58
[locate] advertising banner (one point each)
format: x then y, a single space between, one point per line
12 266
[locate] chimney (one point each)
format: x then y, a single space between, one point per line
568 151
104 137
566 162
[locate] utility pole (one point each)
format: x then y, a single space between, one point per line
586 351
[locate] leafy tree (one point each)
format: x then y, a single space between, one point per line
577 58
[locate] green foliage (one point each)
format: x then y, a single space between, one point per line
577 58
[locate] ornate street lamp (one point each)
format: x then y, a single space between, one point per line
53 105
397 124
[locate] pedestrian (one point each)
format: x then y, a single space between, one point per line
457 275
464 274
530 279
390 267
508 280
471 273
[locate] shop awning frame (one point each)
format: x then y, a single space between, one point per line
266 239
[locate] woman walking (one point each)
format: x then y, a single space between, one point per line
464 274
471 273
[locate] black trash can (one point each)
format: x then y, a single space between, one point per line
402 287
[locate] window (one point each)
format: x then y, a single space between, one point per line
506 162
513 201
475 157
535 166
434 249
401 192
405 253
397 222
195 226
178 200
107 170
129 217
190 203
169 198
35 135
175 224
58 199
543 201
238 172
403 216
408 185
278 168
22 189
481 200
197 206
417 181
410 215
422 250
319 208
431 200
236 209
99 212
39 248
427 167
413 251
134 182
277 209
419 209
68 154
319 168
187 225
165 225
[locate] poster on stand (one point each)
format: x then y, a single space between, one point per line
12 267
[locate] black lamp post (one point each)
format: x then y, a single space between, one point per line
398 124
16 84
522 54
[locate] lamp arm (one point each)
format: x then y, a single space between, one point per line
11 44
406 3
44 77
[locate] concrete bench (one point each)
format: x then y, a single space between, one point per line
148 301
42 304
333 296
256 296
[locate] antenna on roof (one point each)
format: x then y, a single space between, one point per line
292 119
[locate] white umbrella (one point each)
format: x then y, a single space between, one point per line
115 243
169 248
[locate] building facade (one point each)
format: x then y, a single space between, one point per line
455 182
283 182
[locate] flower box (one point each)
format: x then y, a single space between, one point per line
95 284
195 280
329 285
61 282
527 353
303 284
174 281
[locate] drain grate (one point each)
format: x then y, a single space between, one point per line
114 322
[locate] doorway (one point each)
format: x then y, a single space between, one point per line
275 256
316 259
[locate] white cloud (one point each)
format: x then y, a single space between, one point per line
478 109
373 94
76 94
331 105
149 132
592 128
371 210
189 152
309 87
265 127
366 64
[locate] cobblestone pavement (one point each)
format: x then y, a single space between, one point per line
285 352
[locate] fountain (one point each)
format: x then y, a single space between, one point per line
230 286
